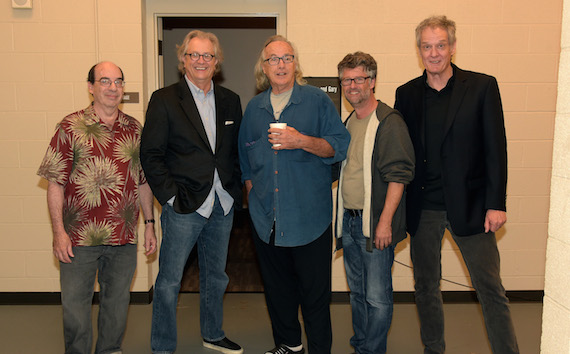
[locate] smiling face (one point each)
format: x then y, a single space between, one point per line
281 76
436 52
200 72
358 94
107 97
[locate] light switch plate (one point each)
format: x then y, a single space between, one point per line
131 97
21 4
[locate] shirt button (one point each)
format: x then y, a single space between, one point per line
277 189
275 152
276 172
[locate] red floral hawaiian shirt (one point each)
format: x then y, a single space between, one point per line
100 170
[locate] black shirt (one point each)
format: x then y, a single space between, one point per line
436 106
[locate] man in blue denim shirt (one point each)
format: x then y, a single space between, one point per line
290 201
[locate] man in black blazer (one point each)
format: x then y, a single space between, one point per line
455 120
189 155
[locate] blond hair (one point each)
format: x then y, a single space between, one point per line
218 53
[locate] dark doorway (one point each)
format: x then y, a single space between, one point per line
241 39
242 267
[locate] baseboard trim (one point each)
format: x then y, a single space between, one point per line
145 297
54 298
452 296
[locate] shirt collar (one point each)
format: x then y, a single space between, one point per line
196 91
90 117
449 84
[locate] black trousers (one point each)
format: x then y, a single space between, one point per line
293 277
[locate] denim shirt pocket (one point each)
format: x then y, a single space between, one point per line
259 156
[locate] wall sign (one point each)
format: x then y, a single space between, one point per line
330 86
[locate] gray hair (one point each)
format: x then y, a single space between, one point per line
261 79
437 21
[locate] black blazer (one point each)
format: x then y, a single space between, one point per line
473 151
175 152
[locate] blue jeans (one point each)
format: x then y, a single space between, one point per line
116 266
482 259
369 276
180 232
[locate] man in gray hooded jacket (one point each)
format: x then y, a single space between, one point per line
371 210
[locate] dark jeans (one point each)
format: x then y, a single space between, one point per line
482 259
115 266
298 276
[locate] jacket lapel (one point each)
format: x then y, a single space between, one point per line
418 100
220 116
190 109
459 90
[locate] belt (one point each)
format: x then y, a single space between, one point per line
354 212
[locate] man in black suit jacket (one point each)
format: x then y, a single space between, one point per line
455 120
189 155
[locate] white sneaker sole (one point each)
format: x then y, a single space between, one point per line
221 349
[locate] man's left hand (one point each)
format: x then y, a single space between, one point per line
494 219
289 138
383 235
149 240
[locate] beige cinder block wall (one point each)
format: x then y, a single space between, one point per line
45 54
515 41
556 313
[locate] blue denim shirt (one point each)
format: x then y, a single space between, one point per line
291 187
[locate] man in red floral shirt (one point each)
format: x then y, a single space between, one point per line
95 187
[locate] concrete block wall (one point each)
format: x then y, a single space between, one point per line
556 313
518 42
45 54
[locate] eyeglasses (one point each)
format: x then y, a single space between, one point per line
357 80
195 56
106 82
287 58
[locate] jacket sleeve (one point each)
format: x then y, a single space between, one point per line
495 146
154 143
396 163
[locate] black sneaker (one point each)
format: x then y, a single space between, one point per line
283 349
223 345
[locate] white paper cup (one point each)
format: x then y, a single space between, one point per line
277 126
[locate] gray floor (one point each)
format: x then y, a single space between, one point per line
38 329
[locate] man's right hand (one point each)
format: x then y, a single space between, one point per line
248 187
62 247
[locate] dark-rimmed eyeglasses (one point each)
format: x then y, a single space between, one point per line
106 82
195 56
287 58
357 80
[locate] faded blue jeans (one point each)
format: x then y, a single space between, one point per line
180 232
369 276
482 259
116 266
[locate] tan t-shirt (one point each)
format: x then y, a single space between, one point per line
353 180
278 102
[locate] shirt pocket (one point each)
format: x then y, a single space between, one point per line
259 157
